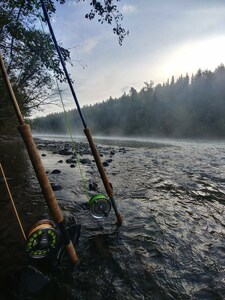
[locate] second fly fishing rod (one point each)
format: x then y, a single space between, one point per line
45 185
87 131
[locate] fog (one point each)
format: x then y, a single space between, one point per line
187 107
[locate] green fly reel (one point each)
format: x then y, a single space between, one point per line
42 238
100 206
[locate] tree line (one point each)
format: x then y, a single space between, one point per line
186 107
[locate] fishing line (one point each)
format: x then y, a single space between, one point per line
87 131
84 180
99 204
63 64
13 203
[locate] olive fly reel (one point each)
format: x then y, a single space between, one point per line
42 238
100 206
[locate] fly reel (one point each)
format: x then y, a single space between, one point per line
42 238
100 206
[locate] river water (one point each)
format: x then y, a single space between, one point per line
172 242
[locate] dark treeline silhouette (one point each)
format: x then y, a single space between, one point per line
188 107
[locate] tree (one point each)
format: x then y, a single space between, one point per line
195 109
28 52
108 12
24 50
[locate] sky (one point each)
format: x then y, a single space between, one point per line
166 38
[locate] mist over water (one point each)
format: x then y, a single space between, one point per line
171 195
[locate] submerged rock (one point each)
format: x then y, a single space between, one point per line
92 185
105 164
85 161
56 187
56 171
71 160
25 282
65 152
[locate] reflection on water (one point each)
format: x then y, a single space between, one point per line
172 243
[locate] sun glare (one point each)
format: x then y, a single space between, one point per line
189 57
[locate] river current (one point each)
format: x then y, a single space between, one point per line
171 196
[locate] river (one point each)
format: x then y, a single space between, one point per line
171 195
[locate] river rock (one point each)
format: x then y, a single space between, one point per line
71 160
122 150
85 161
56 187
65 152
105 164
92 185
56 171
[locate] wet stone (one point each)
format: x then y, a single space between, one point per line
65 152
60 161
85 161
56 171
92 185
122 150
72 166
56 187
115 173
54 152
43 154
105 164
71 160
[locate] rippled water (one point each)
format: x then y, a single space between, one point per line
172 242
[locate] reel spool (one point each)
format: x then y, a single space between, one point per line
100 206
42 238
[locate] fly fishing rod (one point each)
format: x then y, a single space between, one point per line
45 185
87 131
42 238
13 203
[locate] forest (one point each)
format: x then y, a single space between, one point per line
186 107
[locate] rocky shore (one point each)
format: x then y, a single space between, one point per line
78 154
9 138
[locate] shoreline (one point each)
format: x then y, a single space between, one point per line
10 138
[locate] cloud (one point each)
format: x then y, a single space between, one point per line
128 9
189 56
89 45
167 38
